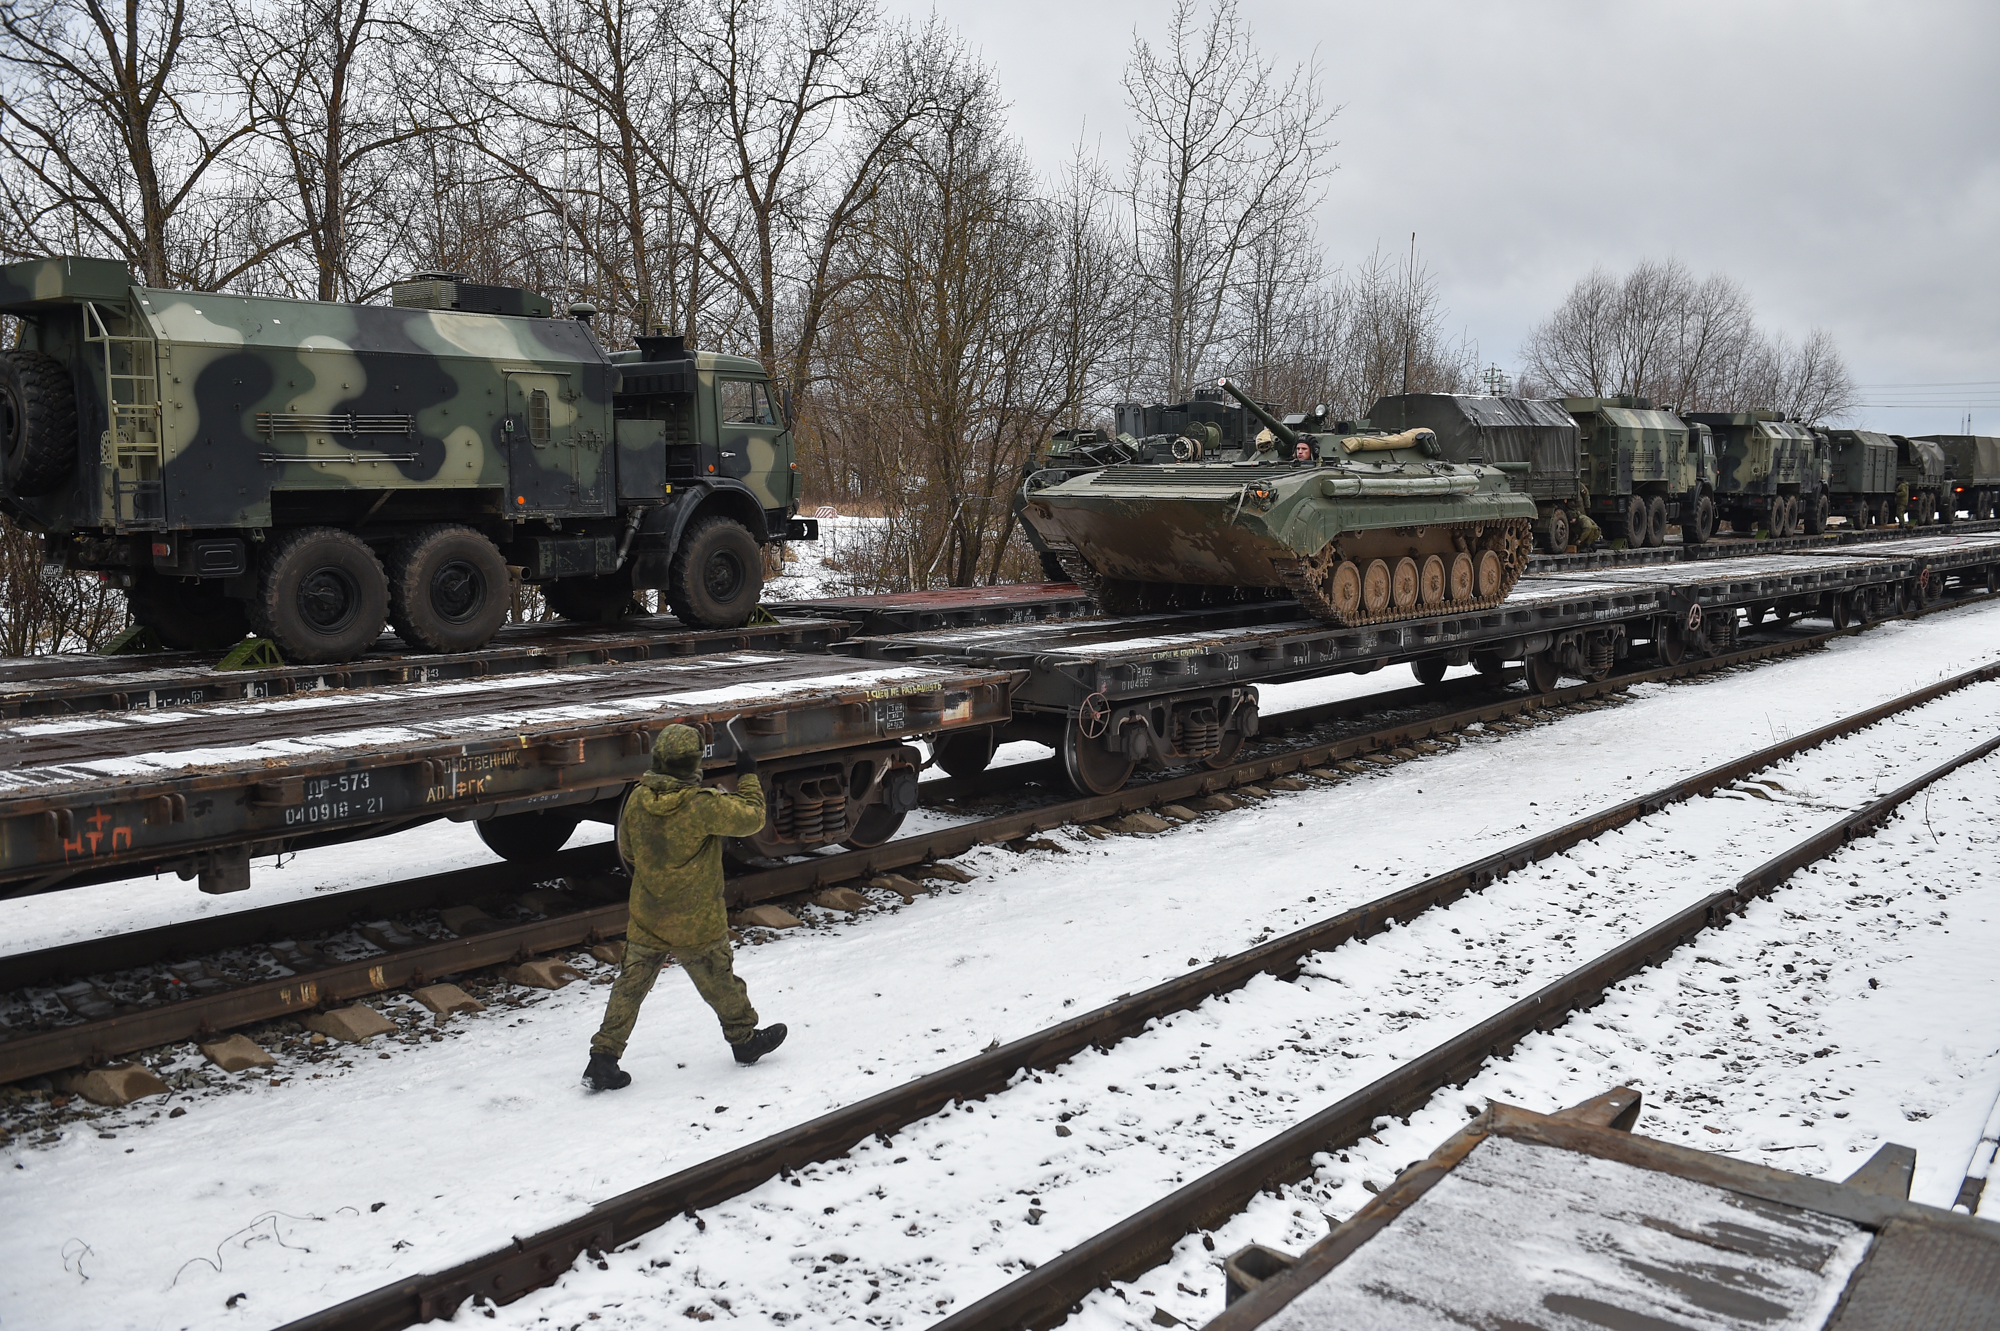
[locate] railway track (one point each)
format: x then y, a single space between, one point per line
1047 1294
331 982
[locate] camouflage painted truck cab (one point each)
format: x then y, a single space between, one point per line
1923 478
1538 434
1974 461
1773 472
311 470
1861 477
1645 470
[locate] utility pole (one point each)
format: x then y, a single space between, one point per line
1409 310
1496 380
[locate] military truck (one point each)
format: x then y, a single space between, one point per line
1645 470
1923 477
1531 431
308 470
1975 472
1861 477
1772 472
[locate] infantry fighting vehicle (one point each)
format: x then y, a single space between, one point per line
308 470
1530 431
1975 471
1923 478
1861 477
1361 528
1772 472
1646 470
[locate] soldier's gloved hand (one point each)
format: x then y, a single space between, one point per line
746 762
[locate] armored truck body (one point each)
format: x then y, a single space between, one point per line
1646 469
1772 472
1861 476
1975 471
307 470
1534 432
1923 477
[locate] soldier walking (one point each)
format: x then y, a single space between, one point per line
670 834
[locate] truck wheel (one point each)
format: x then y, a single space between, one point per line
604 599
1556 539
716 576
447 589
1818 510
1636 519
321 595
1656 521
528 836
187 616
1698 521
37 423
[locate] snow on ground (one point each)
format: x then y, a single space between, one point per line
271 1192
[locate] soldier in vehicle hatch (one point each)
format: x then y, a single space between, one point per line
670 834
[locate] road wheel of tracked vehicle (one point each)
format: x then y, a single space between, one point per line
717 574
185 615
1429 670
321 595
37 423
1462 577
1487 575
1091 768
1375 587
528 836
1542 672
964 752
1635 521
1556 539
1817 511
447 589
1656 521
1403 581
604 599
1431 581
1343 588
1698 520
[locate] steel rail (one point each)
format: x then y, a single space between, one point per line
203 1016
1735 546
538 1259
1048 1294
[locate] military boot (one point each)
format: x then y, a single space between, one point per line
760 1044
604 1074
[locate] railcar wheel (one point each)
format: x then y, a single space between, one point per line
1656 521
1698 521
1343 588
877 823
1091 768
1992 578
185 615
1429 670
1430 581
1375 587
964 752
717 574
1556 539
1232 744
1838 610
321 595
528 836
447 589
1486 575
1542 672
1403 584
1462 577
1669 642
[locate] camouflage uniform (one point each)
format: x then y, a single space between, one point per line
670 833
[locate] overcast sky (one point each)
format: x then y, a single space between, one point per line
1841 160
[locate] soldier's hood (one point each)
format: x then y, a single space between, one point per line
659 793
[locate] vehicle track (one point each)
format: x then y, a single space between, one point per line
537 1260
188 1012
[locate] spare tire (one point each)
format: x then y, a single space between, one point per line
37 423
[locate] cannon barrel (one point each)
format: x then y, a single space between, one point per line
1271 423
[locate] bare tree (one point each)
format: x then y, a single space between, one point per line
1226 155
1810 381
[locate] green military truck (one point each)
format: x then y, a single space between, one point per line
1645 470
308 470
1923 480
1537 437
1771 472
1975 472
1861 477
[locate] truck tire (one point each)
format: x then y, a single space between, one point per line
604 599
1556 539
1817 510
185 615
1656 521
1698 520
717 575
321 595
1635 522
37 423
447 589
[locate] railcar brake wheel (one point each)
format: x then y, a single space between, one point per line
1343 588
1487 575
1091 768
1461 577
1403 584
1375 587
1431 580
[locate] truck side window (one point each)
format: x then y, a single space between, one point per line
745 402
538 417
